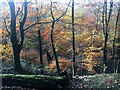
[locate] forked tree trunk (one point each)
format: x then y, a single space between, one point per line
16 43
106 19
105 33
52 40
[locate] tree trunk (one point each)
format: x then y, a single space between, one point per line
105 31
105 50
114 41
52 41
54 51
73 41
16 43
118 46
40 47
40 50
106 34
49 58
17 64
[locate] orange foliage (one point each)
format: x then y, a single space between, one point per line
46 32
31 55
64 64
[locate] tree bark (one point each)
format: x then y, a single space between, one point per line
73 41
52 41
114 40
106 34
118 46
106 20
54 51
49 58
16 45
40 50
17 64
40 46
14 41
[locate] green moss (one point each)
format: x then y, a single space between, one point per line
32 76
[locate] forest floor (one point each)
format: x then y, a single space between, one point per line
96 81
100 81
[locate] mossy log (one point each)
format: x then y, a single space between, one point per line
33 81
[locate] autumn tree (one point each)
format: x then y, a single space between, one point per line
40 44
17 43
114 39
105 21
52 41
118 40
52 32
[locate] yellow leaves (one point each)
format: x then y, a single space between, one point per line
89 38
93 56
6 48
6 51
85 35
63 37
89 58
61 32
90 48
3 32
0 33
17 26
66 35
90 63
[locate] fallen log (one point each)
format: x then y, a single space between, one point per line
34 81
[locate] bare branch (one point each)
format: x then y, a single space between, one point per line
18 11
110 12
63 13
51 11
21 13
36 24
49 21
23 22
13 21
